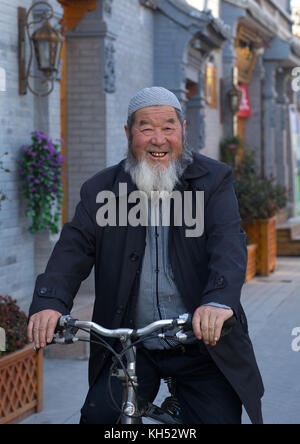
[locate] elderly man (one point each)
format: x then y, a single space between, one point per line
144 273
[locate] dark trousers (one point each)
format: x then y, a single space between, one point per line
205 396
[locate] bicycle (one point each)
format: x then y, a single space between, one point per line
134 409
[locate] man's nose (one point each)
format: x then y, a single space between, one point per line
158 138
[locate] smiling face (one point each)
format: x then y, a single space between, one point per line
156 135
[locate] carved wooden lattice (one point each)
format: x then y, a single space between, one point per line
20 384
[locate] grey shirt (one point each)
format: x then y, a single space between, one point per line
159 297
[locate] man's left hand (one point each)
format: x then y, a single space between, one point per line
208 322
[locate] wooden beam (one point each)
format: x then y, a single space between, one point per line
75 10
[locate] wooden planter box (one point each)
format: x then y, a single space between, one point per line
251 265
21 385
263 233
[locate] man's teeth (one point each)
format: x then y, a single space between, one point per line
158 154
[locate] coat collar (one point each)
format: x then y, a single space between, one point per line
193 171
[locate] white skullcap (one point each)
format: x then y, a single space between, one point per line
154 96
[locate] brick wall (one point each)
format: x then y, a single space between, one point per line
133 25
19 115
86 115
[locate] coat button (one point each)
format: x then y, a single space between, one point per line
220 281
120 309
134 257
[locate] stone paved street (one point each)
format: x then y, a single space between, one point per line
272 306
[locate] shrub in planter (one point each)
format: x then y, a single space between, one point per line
259 200
40 168
14 322
21 368
258 197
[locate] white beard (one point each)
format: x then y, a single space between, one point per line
156 178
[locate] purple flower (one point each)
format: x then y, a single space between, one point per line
40 136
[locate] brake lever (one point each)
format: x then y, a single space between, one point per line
63 336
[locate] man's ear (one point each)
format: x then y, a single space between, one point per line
184 127
127 131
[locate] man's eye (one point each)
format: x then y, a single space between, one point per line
147 131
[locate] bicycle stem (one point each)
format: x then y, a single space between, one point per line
130 405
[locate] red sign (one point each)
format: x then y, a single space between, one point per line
245 108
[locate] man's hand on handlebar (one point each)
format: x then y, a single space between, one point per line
208 322
41 327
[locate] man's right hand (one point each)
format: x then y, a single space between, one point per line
41 327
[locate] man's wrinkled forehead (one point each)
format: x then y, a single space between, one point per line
152 115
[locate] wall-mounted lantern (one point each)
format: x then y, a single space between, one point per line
45 45
235 98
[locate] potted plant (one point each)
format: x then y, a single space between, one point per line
259 200
40 168
21 368
232 149
252 261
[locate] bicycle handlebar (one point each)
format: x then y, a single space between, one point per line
68 321
184 321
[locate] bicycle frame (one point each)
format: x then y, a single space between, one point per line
130 403
130 410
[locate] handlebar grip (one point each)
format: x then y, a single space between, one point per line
226 329
228 326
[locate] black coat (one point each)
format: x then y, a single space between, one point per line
208 268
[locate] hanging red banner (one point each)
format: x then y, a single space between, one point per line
245 108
